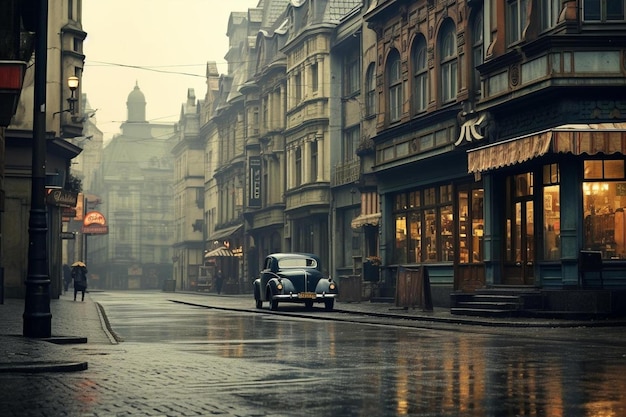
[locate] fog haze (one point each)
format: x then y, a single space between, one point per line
162 45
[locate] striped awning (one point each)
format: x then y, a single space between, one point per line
591 139
226 232
366 220
370 211
219 252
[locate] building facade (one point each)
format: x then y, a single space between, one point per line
266 106
188 223
493 147
483 140
134 188
63 121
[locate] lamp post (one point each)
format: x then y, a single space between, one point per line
37 316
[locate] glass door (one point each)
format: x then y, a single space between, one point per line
520 225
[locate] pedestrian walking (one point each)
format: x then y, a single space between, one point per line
79 274
219 280
67 277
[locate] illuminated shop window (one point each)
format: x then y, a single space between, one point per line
604 202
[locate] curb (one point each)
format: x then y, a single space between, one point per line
43 366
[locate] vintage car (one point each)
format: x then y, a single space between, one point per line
294 277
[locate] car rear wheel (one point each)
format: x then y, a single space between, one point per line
329 304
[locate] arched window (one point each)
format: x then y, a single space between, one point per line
370 88
394 84
448 62
420 75
477 47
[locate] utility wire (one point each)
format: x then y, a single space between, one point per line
154 69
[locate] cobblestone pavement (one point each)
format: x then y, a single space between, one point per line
121 379
38 378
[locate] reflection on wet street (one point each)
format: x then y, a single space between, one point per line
297 367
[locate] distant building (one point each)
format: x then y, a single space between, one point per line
134 188
188 154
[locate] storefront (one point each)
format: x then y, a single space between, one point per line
550 195
435 219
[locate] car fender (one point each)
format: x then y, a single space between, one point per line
272 285
323 285
257 289
287 285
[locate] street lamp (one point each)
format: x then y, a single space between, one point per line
37 316
72 84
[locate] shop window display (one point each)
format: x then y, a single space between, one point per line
551 212
424 222
604 203
471 226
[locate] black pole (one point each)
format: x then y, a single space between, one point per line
37 316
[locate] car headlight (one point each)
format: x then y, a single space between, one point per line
279 286
332 286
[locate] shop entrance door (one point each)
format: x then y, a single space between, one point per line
520 244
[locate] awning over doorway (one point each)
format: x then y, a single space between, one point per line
226 232
607 138
219 252
365 220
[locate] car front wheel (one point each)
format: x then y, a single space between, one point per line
329 304
273 305
259 303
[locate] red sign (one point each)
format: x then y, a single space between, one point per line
96 229
94 217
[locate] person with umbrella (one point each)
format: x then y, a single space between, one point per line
79 274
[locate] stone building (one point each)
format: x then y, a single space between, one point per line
188 152
135 190
65 59
483 140
289 135
500 146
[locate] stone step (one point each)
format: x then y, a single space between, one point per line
489 305
483 312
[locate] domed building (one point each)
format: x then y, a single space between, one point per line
136 105
135 190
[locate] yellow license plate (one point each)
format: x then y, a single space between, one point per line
310 295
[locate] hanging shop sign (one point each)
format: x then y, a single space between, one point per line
61 198
254 194
94 223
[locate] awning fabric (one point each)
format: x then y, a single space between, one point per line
366 219
226 232
509 152
219 252
607 138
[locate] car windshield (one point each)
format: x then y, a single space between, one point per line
297 263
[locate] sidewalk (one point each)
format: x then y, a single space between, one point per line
73 323
438 315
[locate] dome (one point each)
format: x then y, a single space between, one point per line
136 105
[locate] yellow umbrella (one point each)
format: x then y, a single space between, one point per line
79 263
